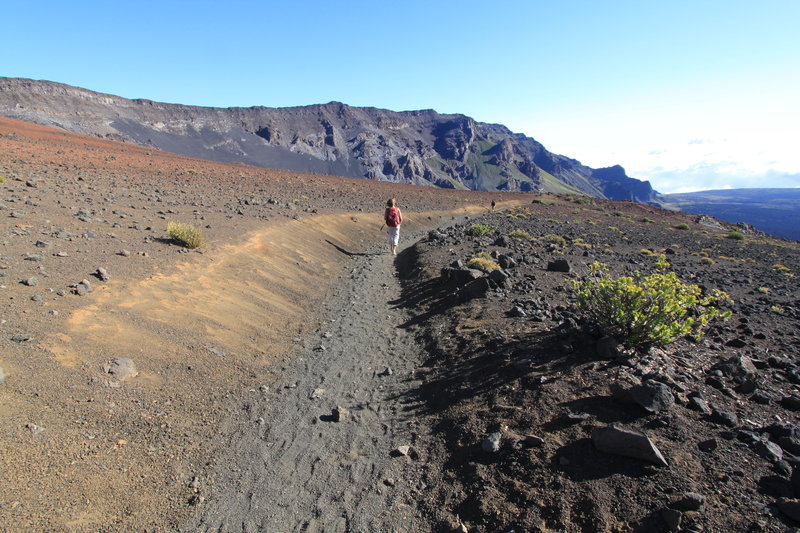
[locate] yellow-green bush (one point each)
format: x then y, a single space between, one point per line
185 234
483 261
642 311
480 230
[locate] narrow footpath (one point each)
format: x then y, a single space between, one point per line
297 468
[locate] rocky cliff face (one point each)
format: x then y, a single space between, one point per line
420 147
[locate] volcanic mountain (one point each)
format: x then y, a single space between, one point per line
419 147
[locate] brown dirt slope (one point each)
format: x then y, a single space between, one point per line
83 450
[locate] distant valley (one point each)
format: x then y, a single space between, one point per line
773 211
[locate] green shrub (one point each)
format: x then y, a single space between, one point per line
648 220
483 261
480 230
682 226
763 290
735 235
642 311
581 200
185 234
706 261
2 179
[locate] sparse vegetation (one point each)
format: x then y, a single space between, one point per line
682 226
781 268
735 235
648 220
483 261
776 309
642 311
552 238
520 235
707 261
481 230
185 235
763 290
2 179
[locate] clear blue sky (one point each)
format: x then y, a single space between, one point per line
689 94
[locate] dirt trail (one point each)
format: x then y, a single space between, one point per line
298 469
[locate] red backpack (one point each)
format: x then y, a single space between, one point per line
392 217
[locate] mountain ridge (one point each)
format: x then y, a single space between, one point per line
421 147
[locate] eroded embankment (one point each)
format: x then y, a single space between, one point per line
121 455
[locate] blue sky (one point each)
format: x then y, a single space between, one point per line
690 95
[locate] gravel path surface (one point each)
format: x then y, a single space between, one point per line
299 469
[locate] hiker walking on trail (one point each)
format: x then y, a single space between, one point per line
393 218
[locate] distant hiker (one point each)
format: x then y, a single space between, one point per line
393 218
493 204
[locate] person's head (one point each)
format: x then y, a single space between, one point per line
391 202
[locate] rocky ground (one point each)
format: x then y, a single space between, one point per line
521 394
291 377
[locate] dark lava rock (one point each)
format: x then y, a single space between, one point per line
689 501
607 348
559 265
461 276
697 402
768 450
738 367
628 443
708 446
790 508
653 396
791 402
725 417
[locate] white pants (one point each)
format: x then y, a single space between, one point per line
394 235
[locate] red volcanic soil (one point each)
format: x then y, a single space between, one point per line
291 375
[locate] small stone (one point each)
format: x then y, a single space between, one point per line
616 440
491 444
21 338
36 298
34 428
768 450
340 414
386 372
389 482
103 274
672 517
725 417
689 501
559 265
122 368
316 393
790 508
402 451
124 253
3 375
698 402
607 348
30 282
533 441
708 446
791 402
